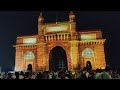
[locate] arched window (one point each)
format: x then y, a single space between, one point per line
29 55
87 53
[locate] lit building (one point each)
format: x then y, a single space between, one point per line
59 45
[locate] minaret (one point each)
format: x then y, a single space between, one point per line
74 49
72 25
71 16
40 19
40 45
40 24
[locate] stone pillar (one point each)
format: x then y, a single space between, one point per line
100 55
58 36
67 36
73 32
46 38
68 53
64 36
55 37
44 56
74 55
61 37
40 49
19 60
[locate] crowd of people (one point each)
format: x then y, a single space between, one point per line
107 73
86 73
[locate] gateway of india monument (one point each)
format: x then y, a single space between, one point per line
60 46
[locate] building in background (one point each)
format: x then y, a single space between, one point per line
59 46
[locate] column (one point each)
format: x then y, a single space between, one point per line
64 36
52 37
74 55
100 55
19 60
61 36
55 37
40 49
58 36
44 56
46 38
67 36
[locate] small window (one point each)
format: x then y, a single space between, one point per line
29 56
87 53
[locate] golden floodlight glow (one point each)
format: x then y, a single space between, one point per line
79 46
29 40
102 67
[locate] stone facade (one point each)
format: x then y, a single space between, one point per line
80 47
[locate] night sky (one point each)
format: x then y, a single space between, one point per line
20 23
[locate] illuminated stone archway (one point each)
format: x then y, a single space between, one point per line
65 35
58 59
64 46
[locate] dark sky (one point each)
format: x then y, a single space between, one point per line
18 23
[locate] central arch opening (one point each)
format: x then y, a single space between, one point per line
58 59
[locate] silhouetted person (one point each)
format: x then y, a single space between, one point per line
27 75
21 76
9 76
61 75
88 66
17 75
106 74
29 68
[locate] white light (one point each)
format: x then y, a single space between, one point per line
29 40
